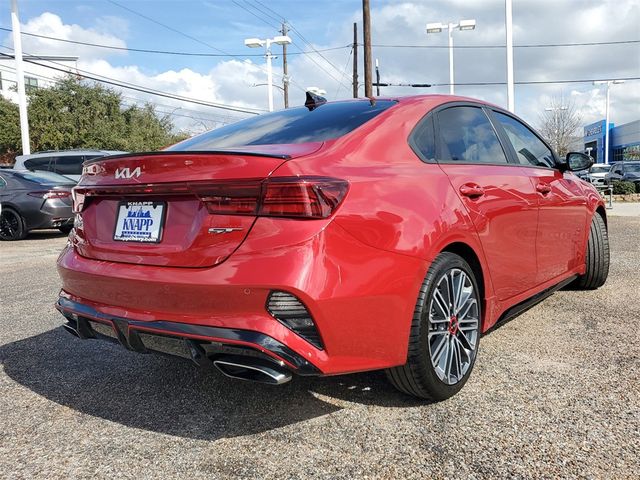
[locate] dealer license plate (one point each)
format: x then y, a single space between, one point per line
139 222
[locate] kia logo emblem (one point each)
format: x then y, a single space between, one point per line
126 172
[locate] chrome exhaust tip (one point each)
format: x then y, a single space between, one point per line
251 369
71 329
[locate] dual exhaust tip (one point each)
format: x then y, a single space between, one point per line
233 366
252 370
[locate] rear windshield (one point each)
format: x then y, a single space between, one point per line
294 125
44 177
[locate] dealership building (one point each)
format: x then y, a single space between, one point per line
624 141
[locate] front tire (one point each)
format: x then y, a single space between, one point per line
445 332
12 225
597 256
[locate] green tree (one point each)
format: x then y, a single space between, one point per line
77 114
9 128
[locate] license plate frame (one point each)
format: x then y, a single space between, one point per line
155 215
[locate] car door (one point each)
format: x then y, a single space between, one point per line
563 207
498 196
615 174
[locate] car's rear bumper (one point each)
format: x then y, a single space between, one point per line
199 343
361 299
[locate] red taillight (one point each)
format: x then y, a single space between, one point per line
46 195
294 197
302 197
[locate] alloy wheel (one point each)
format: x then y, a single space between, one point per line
10 225
453 326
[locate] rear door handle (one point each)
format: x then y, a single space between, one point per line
543 188
471 190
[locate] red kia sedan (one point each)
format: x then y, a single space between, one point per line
332 238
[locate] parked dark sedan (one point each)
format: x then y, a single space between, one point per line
33 200
624 171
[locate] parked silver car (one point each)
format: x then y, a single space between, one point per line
63 162
598 174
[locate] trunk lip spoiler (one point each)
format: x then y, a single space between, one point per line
187 152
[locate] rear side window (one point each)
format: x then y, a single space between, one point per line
294 125
529 148
3 183
41 163
422 140
44 177
69 165
467 136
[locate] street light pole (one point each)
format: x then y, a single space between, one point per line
509 33
269 75
461 25
451 89
606 121
22 96
255 43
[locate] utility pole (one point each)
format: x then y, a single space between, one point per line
355 60
377 78
366 26
22 97
285 76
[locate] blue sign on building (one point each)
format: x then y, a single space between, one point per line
624 141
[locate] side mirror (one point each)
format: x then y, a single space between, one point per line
577 161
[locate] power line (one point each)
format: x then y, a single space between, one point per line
265 11
538 45
344 72
532 82
131 86
179 32
254 14
161 52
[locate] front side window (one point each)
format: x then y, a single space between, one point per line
530 150
467 136
293 125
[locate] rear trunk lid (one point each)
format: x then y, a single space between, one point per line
170 208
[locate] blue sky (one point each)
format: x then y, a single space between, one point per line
216 25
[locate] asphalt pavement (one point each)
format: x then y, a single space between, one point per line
555 393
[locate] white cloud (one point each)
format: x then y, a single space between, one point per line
400 23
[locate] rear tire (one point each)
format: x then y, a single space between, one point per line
12 225
597 256
445 332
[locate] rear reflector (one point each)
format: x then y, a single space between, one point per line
291 197
290 311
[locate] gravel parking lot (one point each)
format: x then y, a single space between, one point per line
555 392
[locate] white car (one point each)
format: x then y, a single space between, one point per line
63 162
598 174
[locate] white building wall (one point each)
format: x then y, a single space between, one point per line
36 75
